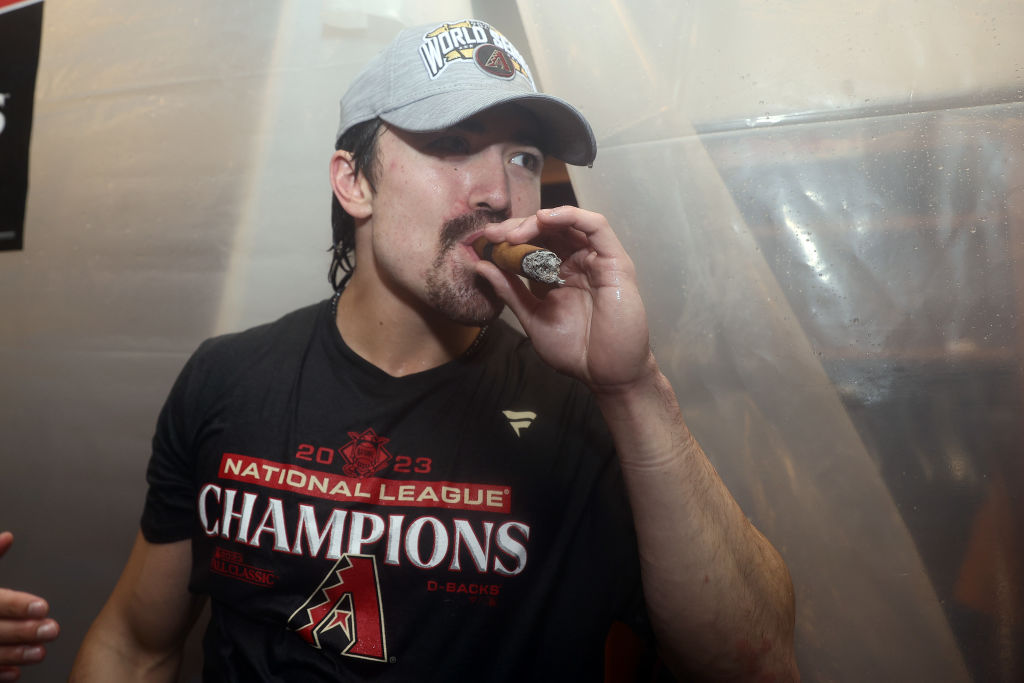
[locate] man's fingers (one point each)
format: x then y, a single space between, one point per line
22 626
564 230
19 605
6 539
509 288
28 631
15 655
595 226
523 228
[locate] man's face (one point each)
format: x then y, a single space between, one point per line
434 194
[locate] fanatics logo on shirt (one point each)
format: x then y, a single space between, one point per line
520 420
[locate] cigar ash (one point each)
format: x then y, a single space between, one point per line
542 266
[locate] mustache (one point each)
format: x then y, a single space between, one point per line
455 229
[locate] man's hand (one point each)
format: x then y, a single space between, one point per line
23 626
714 584
593 327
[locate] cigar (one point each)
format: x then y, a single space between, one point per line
528 260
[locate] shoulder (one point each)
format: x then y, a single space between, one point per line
257 354
292 328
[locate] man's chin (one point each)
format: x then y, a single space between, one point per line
486 320
494 304
474 306
479 316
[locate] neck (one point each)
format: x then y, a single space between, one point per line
397 338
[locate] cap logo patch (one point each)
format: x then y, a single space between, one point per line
472 40
494 61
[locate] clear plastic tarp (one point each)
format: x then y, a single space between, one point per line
825 202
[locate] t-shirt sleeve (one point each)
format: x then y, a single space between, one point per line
169 512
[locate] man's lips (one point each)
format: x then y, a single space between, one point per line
467 243
457 230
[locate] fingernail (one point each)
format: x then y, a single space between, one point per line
33 654
47 631
37 609
9 675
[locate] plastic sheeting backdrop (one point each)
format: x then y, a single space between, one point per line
827 203
824 201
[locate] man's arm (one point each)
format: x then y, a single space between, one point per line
139 633
23 626
719 595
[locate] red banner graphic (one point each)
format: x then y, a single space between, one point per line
376 491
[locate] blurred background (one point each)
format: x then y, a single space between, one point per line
825 202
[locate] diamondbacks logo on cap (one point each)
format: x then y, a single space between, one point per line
472 40
494 61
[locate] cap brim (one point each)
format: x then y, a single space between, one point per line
566 133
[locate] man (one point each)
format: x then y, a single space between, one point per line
394 485
24 627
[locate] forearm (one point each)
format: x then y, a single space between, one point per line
719 595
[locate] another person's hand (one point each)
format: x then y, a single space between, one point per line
23 626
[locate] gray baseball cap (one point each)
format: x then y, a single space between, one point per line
432 77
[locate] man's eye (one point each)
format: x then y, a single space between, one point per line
449 144
529 161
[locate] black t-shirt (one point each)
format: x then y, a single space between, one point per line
463 523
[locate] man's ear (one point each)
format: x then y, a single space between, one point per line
351 188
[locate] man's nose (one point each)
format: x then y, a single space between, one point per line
488 178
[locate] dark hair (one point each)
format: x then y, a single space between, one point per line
361 141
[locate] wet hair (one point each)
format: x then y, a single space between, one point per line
361 141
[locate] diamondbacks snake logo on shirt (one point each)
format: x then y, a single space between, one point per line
344 614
